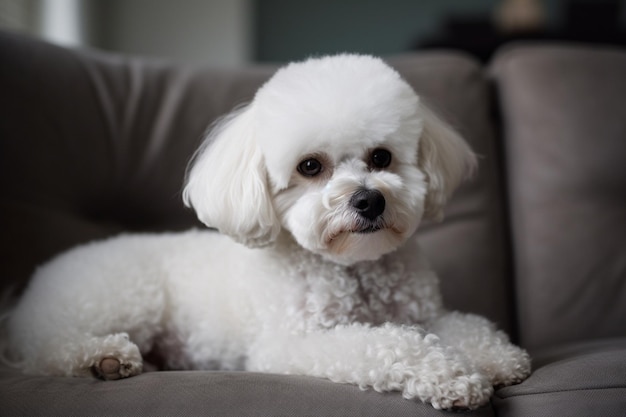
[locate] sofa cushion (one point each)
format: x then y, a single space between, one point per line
580 379
564 109
93 144
196 393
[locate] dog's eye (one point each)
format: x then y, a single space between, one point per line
380 158
310 167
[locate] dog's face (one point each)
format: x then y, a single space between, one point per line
339 137
338 151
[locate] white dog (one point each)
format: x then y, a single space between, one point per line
329 169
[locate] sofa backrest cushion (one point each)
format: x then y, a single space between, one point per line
564 108
95 144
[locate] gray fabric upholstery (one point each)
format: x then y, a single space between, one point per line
586 379
224 394
119 131
94 144
565 118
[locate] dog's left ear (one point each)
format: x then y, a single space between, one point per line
445 158
227 182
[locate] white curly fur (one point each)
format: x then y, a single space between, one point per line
333 293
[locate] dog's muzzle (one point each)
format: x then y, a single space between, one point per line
370 205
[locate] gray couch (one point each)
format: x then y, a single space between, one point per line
94 144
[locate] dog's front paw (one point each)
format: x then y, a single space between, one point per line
512 367
115 357
461 392
110 368
469 392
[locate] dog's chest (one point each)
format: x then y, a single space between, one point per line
340 295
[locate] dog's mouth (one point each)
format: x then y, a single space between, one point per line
367 229
366 226
361 227
368 240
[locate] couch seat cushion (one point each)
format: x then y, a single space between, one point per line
199 393
582 379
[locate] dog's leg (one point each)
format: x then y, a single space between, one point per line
112 357
91 310
109 357
488 348
386 358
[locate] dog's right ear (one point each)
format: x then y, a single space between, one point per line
226 182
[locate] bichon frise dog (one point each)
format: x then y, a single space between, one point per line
320 182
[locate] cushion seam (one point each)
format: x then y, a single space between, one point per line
561 390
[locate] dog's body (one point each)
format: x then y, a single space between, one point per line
333 182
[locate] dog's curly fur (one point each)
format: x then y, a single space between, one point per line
329 169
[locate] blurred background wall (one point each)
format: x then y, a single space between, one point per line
213 32
232 33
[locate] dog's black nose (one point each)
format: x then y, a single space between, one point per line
368 203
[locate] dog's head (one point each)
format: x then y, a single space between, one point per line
339 151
